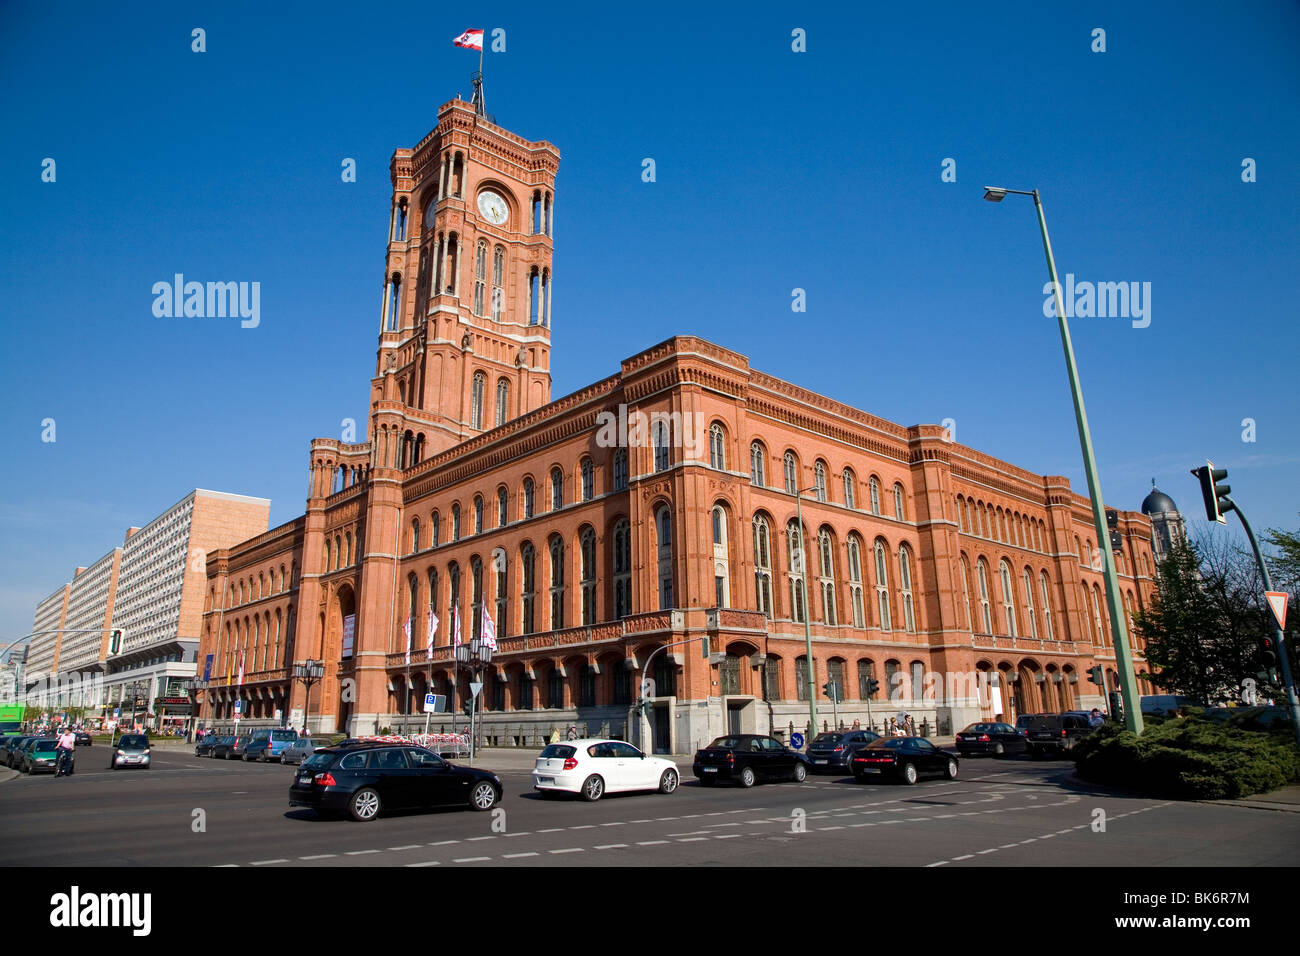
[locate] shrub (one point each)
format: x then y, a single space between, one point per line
1190 758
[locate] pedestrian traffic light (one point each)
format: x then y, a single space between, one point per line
115 641
830 689
1267 653
1094 674
1214 495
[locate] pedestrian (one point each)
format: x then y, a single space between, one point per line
1095 719
66 748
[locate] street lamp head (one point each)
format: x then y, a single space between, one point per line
994 193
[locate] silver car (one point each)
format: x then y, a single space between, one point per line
301 749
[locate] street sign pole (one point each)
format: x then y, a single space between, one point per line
474 688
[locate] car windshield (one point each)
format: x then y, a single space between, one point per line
45 746
133 740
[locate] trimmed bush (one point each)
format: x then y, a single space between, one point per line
1190 758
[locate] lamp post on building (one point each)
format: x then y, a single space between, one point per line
802 554
1114 601
473 656
309 672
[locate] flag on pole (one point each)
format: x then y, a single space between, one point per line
433 629
489 634
407 628
455 625
470 40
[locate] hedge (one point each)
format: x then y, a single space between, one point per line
1190 758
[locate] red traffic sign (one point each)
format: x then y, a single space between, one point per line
1277 601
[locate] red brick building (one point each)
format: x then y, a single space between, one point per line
651 508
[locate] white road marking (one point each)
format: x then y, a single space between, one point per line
516 856
430 863
571 849
409 846
318 856
472 859
639 843
359 852
266 862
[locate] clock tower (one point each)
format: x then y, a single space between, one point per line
465 328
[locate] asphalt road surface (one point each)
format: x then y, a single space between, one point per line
998 813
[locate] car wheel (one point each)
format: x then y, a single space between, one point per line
800 773
950 771
999 750
668 781
747 777
593 788
364 805
908 773
483 796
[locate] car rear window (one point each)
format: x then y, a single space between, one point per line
558 750
827 739
887 743
983 729
729 743
318 761
283 735
1045 722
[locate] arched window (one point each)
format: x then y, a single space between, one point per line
454 627
1029 603
882 585
415 534
620 469
874 487
478 514
503 510
791 473
965 593
898 502
348 557
528 587
556 548
433 607
826 577
622 558
588 479
476 400
717 447
819 480
529 494
503 400
757 465
557 489
982 582
1102 630
480 276
455 522
721 563
588 575
664 526
661 442
327 567
1047 606
763 564
850 484
905 585
1008 597
794 538
498 282
866 674
502 619
434 526
855 581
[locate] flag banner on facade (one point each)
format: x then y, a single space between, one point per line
489 635
241 669
433 629
455 626
407 628
470 40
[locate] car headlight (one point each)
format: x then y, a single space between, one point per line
146 751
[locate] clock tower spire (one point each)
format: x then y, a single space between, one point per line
465 327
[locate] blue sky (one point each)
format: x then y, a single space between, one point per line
776 170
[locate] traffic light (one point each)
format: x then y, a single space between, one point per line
1094 674
1214 494
873 685
115 640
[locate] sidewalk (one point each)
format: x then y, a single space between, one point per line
1286 799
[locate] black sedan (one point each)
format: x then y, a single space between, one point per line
747 758
204 747
12 754
906 759
366 779
83 738
223 747
992 738
830 752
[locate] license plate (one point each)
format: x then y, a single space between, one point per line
709 769
870 770
821 761
305 778
546 780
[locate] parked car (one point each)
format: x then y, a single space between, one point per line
13 750
269 744
906 759
40 755
302 748
830 752
367 779
1056 733
748 758
132 750
1165 705
204 747
222 746
238 748
83 739
594 767
992 738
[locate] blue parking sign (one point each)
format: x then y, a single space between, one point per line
796 740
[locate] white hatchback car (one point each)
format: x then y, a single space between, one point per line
592 768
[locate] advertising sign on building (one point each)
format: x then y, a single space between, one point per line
349 629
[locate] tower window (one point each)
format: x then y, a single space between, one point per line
588 479
503 400
476 400
480 276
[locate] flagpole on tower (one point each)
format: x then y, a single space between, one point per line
480 107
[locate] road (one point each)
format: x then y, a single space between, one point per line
188 811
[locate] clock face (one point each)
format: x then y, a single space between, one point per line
493 207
